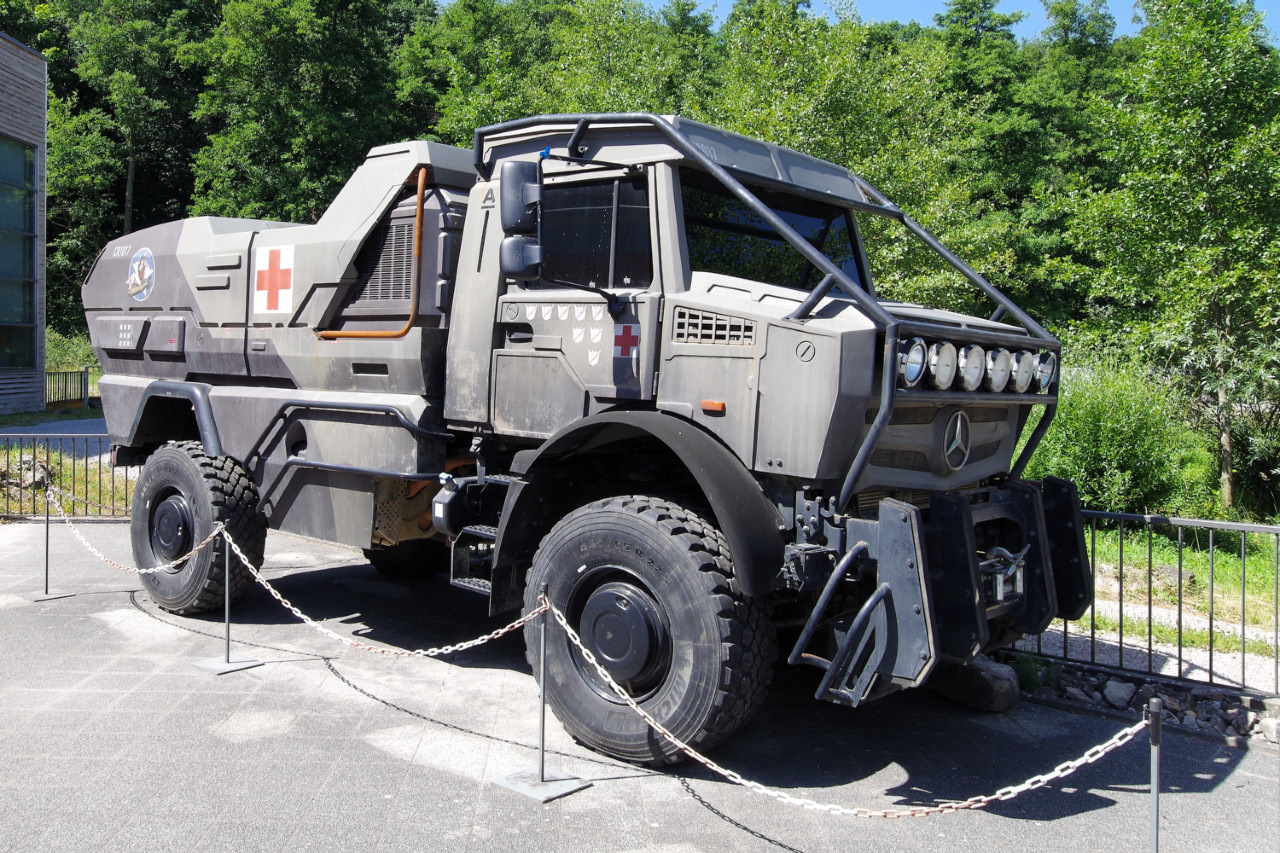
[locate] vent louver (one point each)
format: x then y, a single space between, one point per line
704 327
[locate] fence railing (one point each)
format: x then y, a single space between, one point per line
1175 597
1178 597
78 465
71 386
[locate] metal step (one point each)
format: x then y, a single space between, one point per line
483 532
479 585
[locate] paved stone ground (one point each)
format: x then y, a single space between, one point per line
112 738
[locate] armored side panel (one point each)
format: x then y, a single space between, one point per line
169 301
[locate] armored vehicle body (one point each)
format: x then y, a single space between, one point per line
632 360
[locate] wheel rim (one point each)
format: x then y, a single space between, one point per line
172 524
624 626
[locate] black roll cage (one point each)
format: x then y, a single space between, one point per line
894 328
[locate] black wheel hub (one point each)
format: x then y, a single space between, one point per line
171 527
622 626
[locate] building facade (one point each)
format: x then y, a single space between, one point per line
23 110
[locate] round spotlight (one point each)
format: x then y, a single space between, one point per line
1046 370
972 366
942 365
1024 370
999 366
912 356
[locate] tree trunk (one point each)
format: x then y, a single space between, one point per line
1225 477
128 187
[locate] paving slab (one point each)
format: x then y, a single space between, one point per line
114 739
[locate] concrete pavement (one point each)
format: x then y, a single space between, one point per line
112 738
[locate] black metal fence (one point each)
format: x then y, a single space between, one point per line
71 386
1178 597
77 466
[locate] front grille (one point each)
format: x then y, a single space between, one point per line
905 460
704 327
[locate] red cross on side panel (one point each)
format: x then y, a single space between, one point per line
626 337
274 283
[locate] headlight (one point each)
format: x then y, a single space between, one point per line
911 362
1046 370
999 365
1024 370
942 365
972 364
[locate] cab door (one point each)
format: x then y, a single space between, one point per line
583 337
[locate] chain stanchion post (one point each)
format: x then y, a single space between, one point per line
1155 717
46 594
228 663
538 783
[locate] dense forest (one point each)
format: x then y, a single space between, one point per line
1125 190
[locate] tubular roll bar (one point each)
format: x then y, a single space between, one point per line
832 274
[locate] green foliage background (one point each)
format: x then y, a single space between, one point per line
1124 190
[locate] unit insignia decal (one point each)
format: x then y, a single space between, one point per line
142 274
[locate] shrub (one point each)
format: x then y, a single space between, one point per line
1121 434
67 352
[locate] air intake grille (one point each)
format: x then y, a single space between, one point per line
385 264
703 327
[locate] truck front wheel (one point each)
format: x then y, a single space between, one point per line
181 496
649 587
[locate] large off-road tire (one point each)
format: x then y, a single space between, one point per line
181 496
417 558
649 586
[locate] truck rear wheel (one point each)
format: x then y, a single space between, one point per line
181 496
649 587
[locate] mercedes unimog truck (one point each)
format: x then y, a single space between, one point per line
631 360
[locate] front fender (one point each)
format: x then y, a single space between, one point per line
749 521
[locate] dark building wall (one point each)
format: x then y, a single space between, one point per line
23 109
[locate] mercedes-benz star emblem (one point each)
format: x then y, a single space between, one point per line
956 441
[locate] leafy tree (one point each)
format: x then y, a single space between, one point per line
296 93
1188 241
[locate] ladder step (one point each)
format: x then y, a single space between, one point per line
487 532
479 585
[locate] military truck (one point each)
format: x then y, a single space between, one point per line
631 360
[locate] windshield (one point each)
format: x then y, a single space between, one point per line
724 236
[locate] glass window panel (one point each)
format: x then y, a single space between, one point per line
17 256
17 301
17 163
633 264
725 236
577 228
17 209
17 346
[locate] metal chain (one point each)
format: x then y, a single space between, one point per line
1061 771
381 650
217 528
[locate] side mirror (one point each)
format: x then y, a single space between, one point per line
521 192
520 257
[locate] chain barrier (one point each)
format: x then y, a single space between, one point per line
1061 771
200 546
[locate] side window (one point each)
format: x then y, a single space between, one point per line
597 233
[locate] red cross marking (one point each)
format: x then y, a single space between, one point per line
626 337
273 280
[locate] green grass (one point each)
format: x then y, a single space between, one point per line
1255 578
